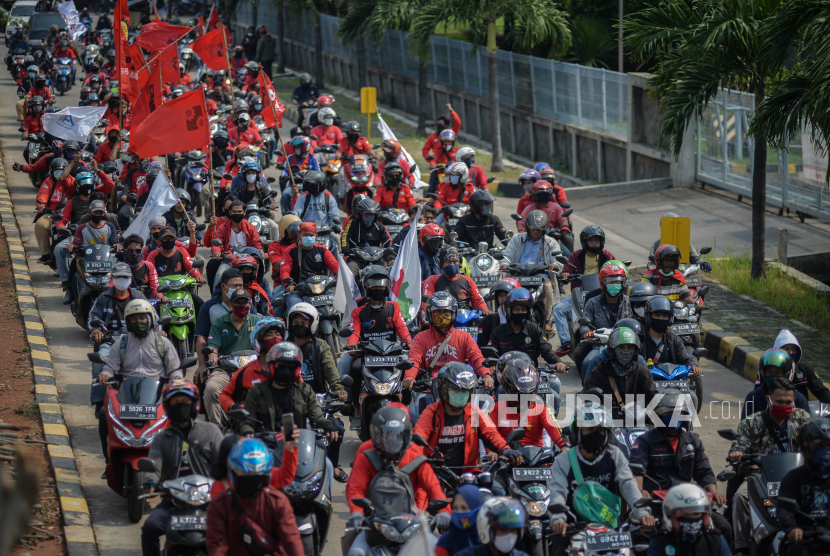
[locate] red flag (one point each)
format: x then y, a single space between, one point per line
178 125
213 19
200 24
272 115
138 60
211 49
122 13
156 35
127 76
151 96
169 59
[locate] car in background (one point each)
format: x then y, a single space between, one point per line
18 17
40 23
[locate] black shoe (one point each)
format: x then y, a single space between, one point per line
354 423
45 259
67 299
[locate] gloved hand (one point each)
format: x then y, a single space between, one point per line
511 454
355 521
706 266
441 521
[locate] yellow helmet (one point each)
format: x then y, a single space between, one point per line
138 307
285 221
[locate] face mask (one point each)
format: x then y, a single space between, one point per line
38 108
308 241
450 270
352 138
313 188
389 157
268 343
180 413
659 325
505 543
377 295
121 283
237 217
32 75
57 174
440 127
250 178
821 462
458 399
328 121
241 311
96 219
690 528
518 318
594 249
666 272
593 442
284 375
667 419
168 245
249 486
486 210
455 179
394 181
242 126
250 34
613 289
434 245
768 380
780 411
463 520
367 219
112 140
300 331
442 321
623 360
639 311
542 198
139 328
795 356
469 161
132 259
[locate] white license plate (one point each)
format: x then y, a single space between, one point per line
452 221
485 281
386 361
613 541
318 300
133 411
394 228
93 266
188 522
471 330
680 385
529 280
183 302
532 474
685 328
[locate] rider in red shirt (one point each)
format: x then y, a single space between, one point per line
455 188
244 133
393 152
327 133
434 142
353 143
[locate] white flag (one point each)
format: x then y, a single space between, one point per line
74 123
69 13
389 134
406 273
421 543
162 197
346 292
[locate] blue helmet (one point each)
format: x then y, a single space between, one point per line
251 165
84 178
250 458
263 326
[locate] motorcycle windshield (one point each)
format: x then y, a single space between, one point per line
465 316
590 282
98 259
529 269
777 465
309 455
139 391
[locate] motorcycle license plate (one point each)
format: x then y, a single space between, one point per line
680 385
525 281
188 522
685 328
532 474
132 411
772 489
184 302
612 541
384 361
471 330
452 221
693 282
485 281
394 228
94 266
318 300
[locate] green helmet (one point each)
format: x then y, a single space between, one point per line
622 336
777 358
618 263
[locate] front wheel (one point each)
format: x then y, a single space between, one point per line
310 544
182 348
333 340
536 547
135 506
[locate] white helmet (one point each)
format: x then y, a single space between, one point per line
483 522
138 307
464 152
308 310
326 114
456 170
685 499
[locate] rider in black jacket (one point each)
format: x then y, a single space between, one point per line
480 224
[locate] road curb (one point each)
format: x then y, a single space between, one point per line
77 524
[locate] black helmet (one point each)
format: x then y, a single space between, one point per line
656 304
221 139
537 220
519 297
183 195
641 292
109 167
72 146
58 163
85 92
356 201
812 432
506 358
28 60
458 376
40 80
391 433
502 286
480 199
376 276
314 182
94 80
631 323
113 100
352 126
368 205
305 78
393 168
519 377
36 101
111 53
666 251
592 231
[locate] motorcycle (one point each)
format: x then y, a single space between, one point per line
361 176
595 539
329 164
91 54
186 56
135 416
229 364
63 74
668 376
453 213
36 148
100 132
687 317
193 176
816 540
396 529
93 265
531 277
106 39
319 291
180 308
394 219
484 268
18 61
267 135
634 418
365 256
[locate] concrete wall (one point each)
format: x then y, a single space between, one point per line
815 265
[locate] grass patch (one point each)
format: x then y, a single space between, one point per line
28 409
778 290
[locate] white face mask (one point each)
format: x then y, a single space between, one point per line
505 543
640 311
329 121
250 178
121 283
454 179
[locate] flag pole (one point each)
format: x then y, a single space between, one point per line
153 59
210 170
228 60
294 189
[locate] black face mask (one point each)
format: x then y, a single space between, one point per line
96 219
518 318
237 218
247 278
180 413
659 325
440 127
300 331
112 140
352 137
248 486
156 235
394 181
594 249
593 442
85 191
433 246
376 295
390 157
284 375
313 188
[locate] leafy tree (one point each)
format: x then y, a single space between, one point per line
591 39
701 46
532 22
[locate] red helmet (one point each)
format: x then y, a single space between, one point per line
511 281
612 273
246 261
542 186
286 353
430 230
393 146
548 174
324 100
180 386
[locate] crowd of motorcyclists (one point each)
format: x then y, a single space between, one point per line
458 409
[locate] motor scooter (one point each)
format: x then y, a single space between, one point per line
318 290
93 266
329 164
180 308
484 267
63 74
668 376
394 219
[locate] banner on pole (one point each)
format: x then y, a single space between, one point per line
162 197
70 15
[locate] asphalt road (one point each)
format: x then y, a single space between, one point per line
631 223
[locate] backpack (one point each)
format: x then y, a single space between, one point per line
159 346
390 490
593 502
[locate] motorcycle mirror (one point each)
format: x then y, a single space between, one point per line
489 351
515 436
239 414
188 362
485 479
516 217
201 227
280 166
491 179
388 251
700 352
430 157
562 259
704 251
566 213
165 320
727 434
147 465
727 475
419 440
643 503
179 162
414 331
431 196
278 153
131 198
265 212
266 244
95 358
163 288
436 506
313 137
32 138
279 303
491 362
347 381
270 180
558 509
199 263
345 332
336 229
96 323
227 176
584 321
565 205
425 298
365 505
788 502
703 291
404 365
216 242
627 263
21 129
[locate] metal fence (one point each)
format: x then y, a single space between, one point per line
588 97
725 156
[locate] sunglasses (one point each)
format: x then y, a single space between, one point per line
132 250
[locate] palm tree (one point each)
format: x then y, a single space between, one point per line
533 22
699 47
591 39
371 19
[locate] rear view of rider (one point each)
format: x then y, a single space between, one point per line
480 224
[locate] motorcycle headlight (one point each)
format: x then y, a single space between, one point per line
409 531
681 312
484 263
389 532
318 289
195 495
314 484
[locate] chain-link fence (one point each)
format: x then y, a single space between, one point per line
588 97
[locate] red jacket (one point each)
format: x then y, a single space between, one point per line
475 296
64 188
275 251
433 143
424 482
384 196
245 378
41 92
553 210
220 221
331 136
361 146
249 137
449 195
223 233
68 53
280 476
539 418
187 262
270 509
190 248
39 166
558 193
288 261
102 154
396 321
431 424
408 176
461 347
478 177
524 202
33 123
